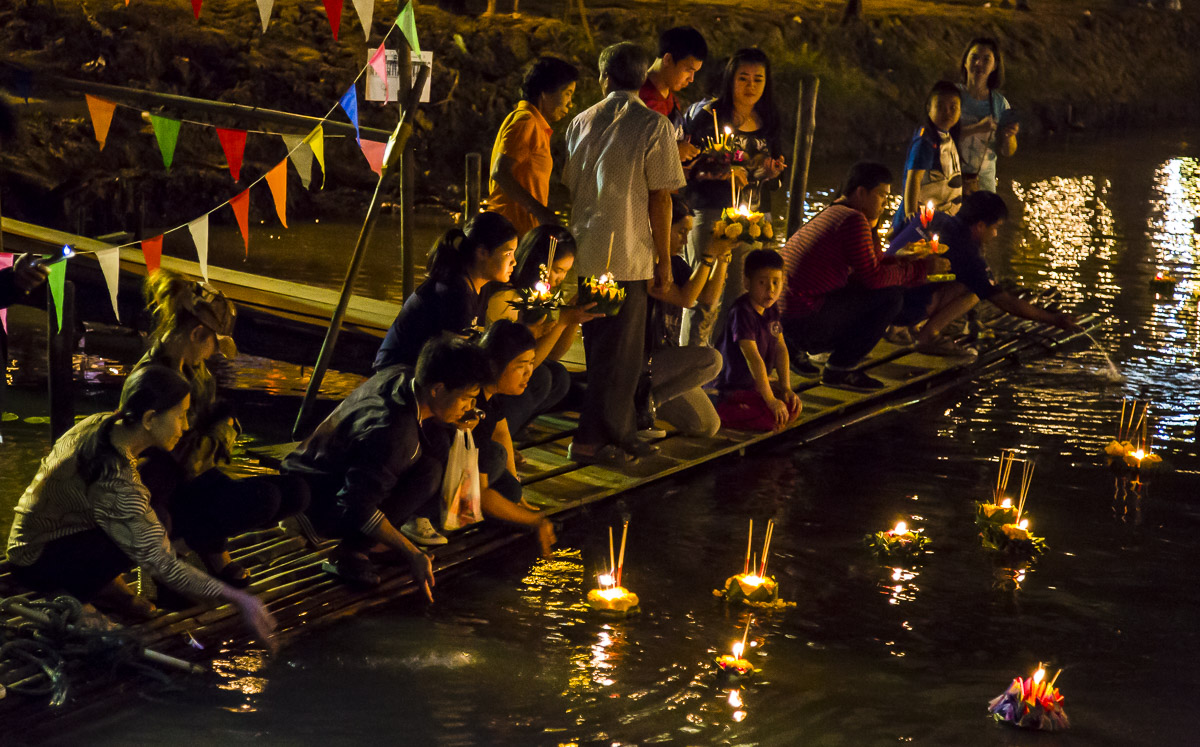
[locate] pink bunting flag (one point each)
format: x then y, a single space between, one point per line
233 142
374 150
241 211
333 9
102 113
277 181
378 63
196 7
6 261
152 253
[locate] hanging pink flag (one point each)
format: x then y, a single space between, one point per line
152 253
333 9
378 63
102 113
374 150
241 211
277 181
233 142
6 261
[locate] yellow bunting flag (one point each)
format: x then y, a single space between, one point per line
277 181
166 131
407 21
199 230
110 266
56 281
152 253
241 211
316 141
374 150
102 113
366 12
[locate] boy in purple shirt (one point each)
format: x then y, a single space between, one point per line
752 345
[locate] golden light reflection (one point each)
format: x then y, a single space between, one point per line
239 674
899 586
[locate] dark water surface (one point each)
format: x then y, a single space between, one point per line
869 654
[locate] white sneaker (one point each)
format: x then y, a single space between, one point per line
653 432
420 530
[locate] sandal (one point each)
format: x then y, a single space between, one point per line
608 455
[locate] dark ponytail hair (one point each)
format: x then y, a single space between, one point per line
768 114
504 341
150 388
454 252
534 250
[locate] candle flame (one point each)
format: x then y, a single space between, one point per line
604 279
737 650
728 130
1006 503
615 592
735 698
1159 276
929 206
606 579
1139 455
1024 524
542 287
1038 675
901 528
752 579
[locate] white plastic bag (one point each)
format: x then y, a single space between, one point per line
460 484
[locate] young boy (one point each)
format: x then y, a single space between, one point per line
752 345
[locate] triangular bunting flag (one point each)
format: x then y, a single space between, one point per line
349 104
407 21
167 132
366 12
277 181
302 157
233 142
199 230
333 9
378 63
196 7
264 10
241 211
102 113
373 150
152 253
56 281
6 261
316 141
110 265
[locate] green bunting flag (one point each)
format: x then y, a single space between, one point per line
56 281
407 21
167 132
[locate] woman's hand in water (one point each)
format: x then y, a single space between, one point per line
545 536
421 567
255 615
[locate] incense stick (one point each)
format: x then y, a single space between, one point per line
1121 422
746 635
621 556
1026 481
749 542
766 547
550 257
608 262
612 558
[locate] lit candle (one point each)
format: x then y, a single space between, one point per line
933 244
901 528
1006 503
926 214
1038 676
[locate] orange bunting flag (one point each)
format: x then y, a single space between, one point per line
102 113
374 150
233 142
277 181
241 211
333 9
152 253
196 7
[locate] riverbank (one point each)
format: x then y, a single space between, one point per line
1067 68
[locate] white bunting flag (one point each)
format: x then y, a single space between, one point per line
301 155
199 230
366 12
110 265
264 10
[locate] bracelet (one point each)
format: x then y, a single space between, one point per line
708 262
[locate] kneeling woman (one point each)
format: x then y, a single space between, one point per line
86 517
194 499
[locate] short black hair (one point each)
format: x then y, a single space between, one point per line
679 208
982 206
625 65
503 342
942 88
546 75
453 362
682 42
865 174
761 259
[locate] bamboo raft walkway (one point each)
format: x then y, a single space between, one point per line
287 571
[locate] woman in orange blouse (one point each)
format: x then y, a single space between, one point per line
521 162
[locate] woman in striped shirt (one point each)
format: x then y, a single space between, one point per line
86 517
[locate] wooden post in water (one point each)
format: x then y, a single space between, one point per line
471 191
60 347
407 179
806 123
391 164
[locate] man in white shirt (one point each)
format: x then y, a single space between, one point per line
622 166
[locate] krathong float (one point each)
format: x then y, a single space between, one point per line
897 544
604 290
541 297
753 586
1131 450
734 667
744 225
1031 704
717 155
1002 527
610 598
1163 283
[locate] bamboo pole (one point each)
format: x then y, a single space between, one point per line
397 141
474 181
806 124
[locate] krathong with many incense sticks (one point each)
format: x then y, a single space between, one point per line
541 297
611 598
1132 450
735 666
1031 703
604 290
715 160
1002 527
897 544
753 586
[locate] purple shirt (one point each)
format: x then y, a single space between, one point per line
744 323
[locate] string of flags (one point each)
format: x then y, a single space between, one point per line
302 150
333 12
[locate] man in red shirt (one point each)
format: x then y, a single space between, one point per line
841 291
681 53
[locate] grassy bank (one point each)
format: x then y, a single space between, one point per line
1100 69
